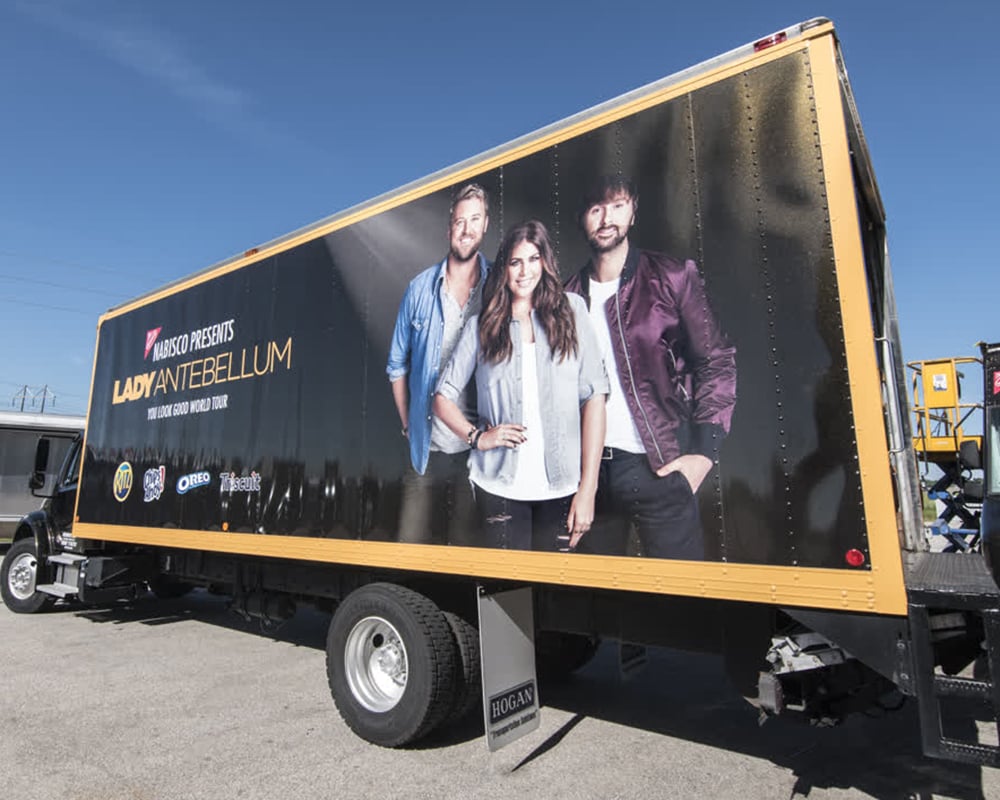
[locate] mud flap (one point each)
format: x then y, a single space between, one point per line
510 686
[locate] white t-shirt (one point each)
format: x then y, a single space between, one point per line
531 482
621 431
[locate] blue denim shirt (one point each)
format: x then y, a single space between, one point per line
415 352
563 387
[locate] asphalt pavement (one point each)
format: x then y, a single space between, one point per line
181 700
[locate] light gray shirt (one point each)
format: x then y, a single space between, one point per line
443 438
563 387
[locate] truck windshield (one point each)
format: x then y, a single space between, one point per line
72 469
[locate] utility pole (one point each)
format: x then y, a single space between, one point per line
23 394
26 392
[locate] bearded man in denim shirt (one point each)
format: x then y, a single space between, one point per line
673 383
437 506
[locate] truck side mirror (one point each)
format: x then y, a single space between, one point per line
37 479
969 456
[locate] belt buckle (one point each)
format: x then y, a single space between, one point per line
607 454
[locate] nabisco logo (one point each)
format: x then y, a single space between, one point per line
151 340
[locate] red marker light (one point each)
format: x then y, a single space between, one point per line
854 557
251 252
769 41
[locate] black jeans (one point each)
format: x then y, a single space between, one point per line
664 511
523 524
437 507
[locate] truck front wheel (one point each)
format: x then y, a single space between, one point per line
391 663
18 578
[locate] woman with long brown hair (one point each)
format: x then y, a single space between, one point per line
541 387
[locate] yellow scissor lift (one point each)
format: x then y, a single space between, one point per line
939 438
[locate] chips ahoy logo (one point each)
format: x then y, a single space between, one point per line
151 340
153 483
123 482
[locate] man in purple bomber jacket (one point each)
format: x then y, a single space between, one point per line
673 383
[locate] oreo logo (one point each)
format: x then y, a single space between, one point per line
185 483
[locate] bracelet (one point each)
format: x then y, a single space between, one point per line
475 438
468 437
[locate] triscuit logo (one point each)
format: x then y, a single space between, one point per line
231 482
153 482
151 340
123 481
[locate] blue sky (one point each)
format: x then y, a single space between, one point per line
140 142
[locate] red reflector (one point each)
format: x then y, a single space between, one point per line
854 558
770 41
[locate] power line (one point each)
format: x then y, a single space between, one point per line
27 387
31 258
38 282
90 313
27 392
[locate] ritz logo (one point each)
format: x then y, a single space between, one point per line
153 482
123 482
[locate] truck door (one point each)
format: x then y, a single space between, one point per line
63 499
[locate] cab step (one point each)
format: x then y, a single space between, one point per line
942 582
60 590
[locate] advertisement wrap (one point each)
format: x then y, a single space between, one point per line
305 394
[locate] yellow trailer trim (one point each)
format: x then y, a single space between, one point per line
859 343
787 586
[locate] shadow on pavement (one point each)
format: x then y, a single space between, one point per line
306 629
688 696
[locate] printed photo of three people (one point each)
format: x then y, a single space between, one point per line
627 343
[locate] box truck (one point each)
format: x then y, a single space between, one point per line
266 427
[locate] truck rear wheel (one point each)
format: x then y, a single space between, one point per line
469 684
391 664
18 578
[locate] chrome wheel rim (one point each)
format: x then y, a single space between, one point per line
21 577
375 664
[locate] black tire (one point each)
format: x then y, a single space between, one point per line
469 681
559 654
390 661
18 578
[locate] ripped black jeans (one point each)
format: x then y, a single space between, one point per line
523 524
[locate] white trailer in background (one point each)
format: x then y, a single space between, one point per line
19 434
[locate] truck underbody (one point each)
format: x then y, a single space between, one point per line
817 665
